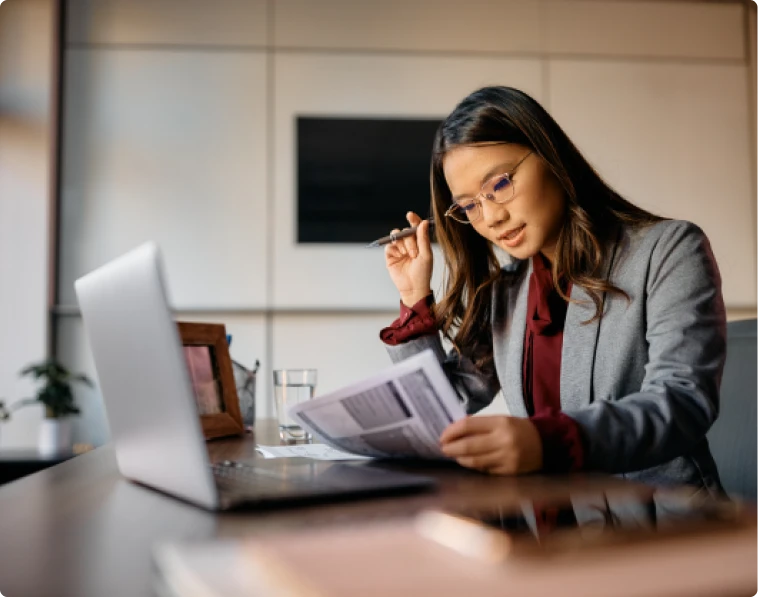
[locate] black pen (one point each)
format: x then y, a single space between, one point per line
385 240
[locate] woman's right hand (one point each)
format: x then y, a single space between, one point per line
409 262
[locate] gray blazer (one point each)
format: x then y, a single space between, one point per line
643 381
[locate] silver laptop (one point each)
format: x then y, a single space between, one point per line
151 409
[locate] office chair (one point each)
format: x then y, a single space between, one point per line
733 436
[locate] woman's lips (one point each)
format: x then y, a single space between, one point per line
514 237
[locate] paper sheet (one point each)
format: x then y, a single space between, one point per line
400 412
315 451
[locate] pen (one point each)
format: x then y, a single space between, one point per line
385 240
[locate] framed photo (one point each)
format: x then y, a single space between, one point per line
210 368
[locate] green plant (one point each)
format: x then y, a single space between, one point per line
55 392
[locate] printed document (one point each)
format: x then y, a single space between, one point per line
400 412
314 451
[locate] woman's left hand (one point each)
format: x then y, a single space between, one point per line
499 445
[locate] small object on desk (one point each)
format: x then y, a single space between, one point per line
244 379
206 352
385 240
81 448
292 388
314 451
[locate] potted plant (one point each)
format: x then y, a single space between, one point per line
55 394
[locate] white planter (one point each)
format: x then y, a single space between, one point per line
54 436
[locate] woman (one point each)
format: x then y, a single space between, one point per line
606 333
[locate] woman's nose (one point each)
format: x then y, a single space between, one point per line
493 213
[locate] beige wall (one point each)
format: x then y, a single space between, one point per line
26 29
179 127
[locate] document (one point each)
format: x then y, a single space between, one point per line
314 451
400 412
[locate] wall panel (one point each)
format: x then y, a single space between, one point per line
26 113
675 140
644 29
167 22
408 25
350 276
168 146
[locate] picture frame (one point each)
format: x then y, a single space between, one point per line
210 368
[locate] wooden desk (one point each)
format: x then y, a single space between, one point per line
78 529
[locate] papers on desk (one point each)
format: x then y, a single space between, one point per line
400 412
314 451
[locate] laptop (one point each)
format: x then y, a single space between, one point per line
152 413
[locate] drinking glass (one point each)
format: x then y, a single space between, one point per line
291 387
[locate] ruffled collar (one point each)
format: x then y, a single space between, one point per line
547 312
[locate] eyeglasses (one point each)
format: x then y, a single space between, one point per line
498 189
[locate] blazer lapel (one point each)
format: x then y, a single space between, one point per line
578 352
579 344
509 327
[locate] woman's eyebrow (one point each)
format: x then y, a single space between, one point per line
504 167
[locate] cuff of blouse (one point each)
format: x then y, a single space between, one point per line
413 322
562 443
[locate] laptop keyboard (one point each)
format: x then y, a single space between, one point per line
230 469
239 481
248 479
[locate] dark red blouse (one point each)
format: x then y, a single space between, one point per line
562 447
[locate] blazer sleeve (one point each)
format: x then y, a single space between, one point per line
474 388
686 336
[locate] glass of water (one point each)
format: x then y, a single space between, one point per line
291 387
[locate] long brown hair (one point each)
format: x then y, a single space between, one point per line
594 212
